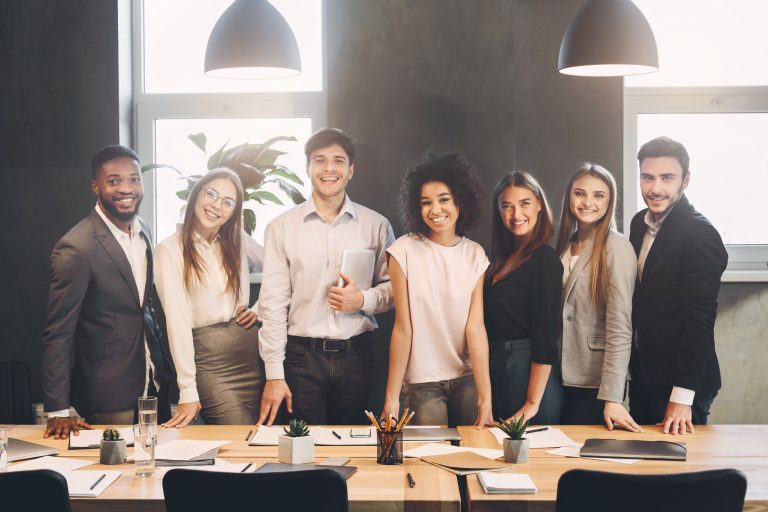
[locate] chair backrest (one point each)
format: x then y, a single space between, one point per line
719 490
322 490
40 490
15 398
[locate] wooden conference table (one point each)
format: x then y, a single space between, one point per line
377 487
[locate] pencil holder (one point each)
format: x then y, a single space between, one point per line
389 447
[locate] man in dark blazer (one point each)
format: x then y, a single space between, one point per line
102 346
681 257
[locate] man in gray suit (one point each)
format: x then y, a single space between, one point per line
101 344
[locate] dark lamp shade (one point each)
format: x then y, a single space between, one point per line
608 38
252 40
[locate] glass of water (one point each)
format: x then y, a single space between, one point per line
3 449
144 441
148 410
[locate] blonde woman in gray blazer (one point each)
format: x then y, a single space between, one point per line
598 281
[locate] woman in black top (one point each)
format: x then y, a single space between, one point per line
522 303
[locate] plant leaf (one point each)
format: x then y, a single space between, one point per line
250 176
215 160
291 192
284 172
199 140
263 195
183 194
265 146
249 219
149 167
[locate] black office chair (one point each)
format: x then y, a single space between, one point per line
15 394
719 490
322 490
41 490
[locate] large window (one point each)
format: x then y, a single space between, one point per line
711 94
174 99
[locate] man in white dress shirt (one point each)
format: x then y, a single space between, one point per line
101 345
316 339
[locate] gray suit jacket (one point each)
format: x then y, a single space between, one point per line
93 343
596 343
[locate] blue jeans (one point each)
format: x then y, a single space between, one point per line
446 402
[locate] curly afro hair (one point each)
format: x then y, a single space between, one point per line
457 174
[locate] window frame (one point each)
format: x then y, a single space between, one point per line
746 263
150 107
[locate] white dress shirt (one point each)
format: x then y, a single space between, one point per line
302 258
202 304
679 395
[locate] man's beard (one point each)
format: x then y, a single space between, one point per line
114 212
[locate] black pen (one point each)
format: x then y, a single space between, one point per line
411 481
98 481
247 467
337 435
249 435
542 429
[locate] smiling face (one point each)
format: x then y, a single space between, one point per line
590 200
438 208
330 171
213 207
662 184
119 189
519 208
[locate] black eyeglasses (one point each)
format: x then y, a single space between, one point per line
212 194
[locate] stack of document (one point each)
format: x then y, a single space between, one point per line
429 449
506 483
464 463
549 438
92 438
59 464
222 466
268 436
187 452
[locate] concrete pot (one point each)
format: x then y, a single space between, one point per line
295 450
515 450
112 452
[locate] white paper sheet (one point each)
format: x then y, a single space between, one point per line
573 451
223 466
268 436
92 438
60 464
550 438
429 449
80 482
185 449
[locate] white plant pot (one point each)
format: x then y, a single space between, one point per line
515 450
295 450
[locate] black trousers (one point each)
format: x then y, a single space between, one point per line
581 407
330 380
649 410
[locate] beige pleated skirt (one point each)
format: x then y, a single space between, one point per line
230 373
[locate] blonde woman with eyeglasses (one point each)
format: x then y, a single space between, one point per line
202 280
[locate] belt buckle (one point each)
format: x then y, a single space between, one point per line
325 347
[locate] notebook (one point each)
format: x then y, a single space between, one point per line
506 483
633 449
277 467
21 450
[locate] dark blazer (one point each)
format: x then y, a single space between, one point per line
93 342
675 303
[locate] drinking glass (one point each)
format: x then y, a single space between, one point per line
144 441
148 410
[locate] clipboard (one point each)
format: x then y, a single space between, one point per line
358 264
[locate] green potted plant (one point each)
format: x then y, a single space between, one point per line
296 446
112 448
515 445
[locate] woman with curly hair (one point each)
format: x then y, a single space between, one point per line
438 355
522 303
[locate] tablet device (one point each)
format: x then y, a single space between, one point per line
358 264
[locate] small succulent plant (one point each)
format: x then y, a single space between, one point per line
111 434
514 427
297 428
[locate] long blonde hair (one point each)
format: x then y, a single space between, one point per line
569 225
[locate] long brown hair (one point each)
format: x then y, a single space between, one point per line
569 225
229 236
503 243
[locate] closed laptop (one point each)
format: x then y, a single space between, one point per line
633 449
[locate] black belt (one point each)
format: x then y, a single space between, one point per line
330 344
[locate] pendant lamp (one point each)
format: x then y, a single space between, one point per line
608 38
252 40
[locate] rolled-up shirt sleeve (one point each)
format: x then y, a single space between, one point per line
378 298
273 303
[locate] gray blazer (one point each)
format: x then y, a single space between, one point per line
596 343
93 343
